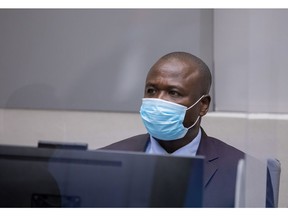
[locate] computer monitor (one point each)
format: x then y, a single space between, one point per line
43 177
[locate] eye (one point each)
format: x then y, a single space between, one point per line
150 91
174 93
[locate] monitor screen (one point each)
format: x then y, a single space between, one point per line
51 177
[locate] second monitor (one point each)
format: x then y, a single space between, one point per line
40 177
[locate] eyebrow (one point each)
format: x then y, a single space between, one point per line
148 84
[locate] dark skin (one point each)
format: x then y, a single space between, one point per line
179 81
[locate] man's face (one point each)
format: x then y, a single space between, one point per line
177 82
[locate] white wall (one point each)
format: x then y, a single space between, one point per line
27 127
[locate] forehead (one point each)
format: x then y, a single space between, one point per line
173 72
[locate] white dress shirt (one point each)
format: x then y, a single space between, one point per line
188 150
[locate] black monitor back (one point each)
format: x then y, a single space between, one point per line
62 145
40 177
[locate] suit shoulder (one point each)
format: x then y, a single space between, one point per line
225 149
134 143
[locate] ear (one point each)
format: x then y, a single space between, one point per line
205 102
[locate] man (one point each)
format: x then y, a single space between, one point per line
176 98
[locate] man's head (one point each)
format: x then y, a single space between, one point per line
190 62
181 78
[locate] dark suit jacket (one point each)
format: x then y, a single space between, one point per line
220 170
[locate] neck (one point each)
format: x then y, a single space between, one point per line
173 145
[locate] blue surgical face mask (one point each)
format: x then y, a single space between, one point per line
164 119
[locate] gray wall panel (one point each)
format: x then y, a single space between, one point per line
92 59
250 51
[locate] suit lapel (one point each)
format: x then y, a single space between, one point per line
207 149
141 143
137 144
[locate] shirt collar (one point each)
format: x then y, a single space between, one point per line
188 150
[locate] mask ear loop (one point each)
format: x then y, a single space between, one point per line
197 101
194 123
193 106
